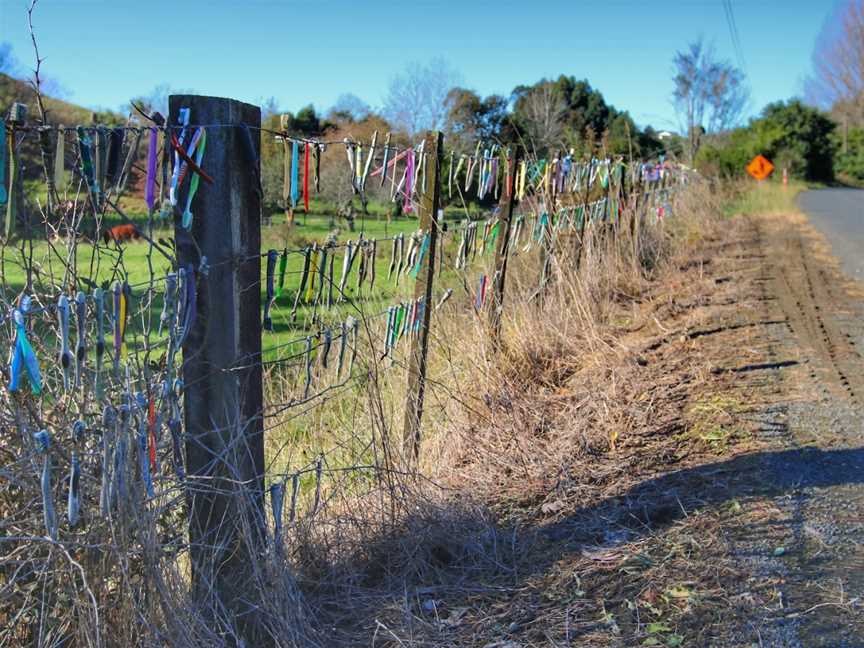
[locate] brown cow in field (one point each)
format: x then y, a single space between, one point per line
121 234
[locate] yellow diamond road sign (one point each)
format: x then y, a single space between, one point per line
760 167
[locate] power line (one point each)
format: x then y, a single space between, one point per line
734 33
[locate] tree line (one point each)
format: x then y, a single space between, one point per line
563 114
819 137
547 117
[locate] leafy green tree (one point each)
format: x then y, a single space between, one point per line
849 160
790 134
803 139
585 106
622 136
304 122
569 113
650 144
470 117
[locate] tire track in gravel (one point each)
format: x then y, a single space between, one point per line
810 303
808 546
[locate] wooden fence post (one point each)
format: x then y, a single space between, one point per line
423 289
223 396
583 226
546 242
502 247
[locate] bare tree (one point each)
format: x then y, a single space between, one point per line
416 99
710 95
543 113
36 81
838 62
157 99
349 108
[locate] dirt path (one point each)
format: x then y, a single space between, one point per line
813 510
699 483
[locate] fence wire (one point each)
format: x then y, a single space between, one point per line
94 490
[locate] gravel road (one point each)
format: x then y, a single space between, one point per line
816 522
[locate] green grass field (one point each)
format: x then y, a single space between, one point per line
98 266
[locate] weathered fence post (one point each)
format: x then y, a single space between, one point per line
223 396
502 246
546 243
423 289
583 225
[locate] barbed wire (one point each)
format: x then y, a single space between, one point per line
477 147
94 389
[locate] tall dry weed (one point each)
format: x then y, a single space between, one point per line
505 420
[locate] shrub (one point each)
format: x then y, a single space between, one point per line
791 135
851 162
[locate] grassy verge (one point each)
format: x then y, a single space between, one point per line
560 506
530 516
767 197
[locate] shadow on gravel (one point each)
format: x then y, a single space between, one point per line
661 501
454 539
460 559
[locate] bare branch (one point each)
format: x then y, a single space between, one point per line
838 61
417 98
710 95
36 81
544 112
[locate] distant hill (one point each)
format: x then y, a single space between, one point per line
59 112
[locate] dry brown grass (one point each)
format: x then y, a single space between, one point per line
543 476
561 492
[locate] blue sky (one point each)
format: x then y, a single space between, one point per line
310 51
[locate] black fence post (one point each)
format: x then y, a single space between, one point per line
223 395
